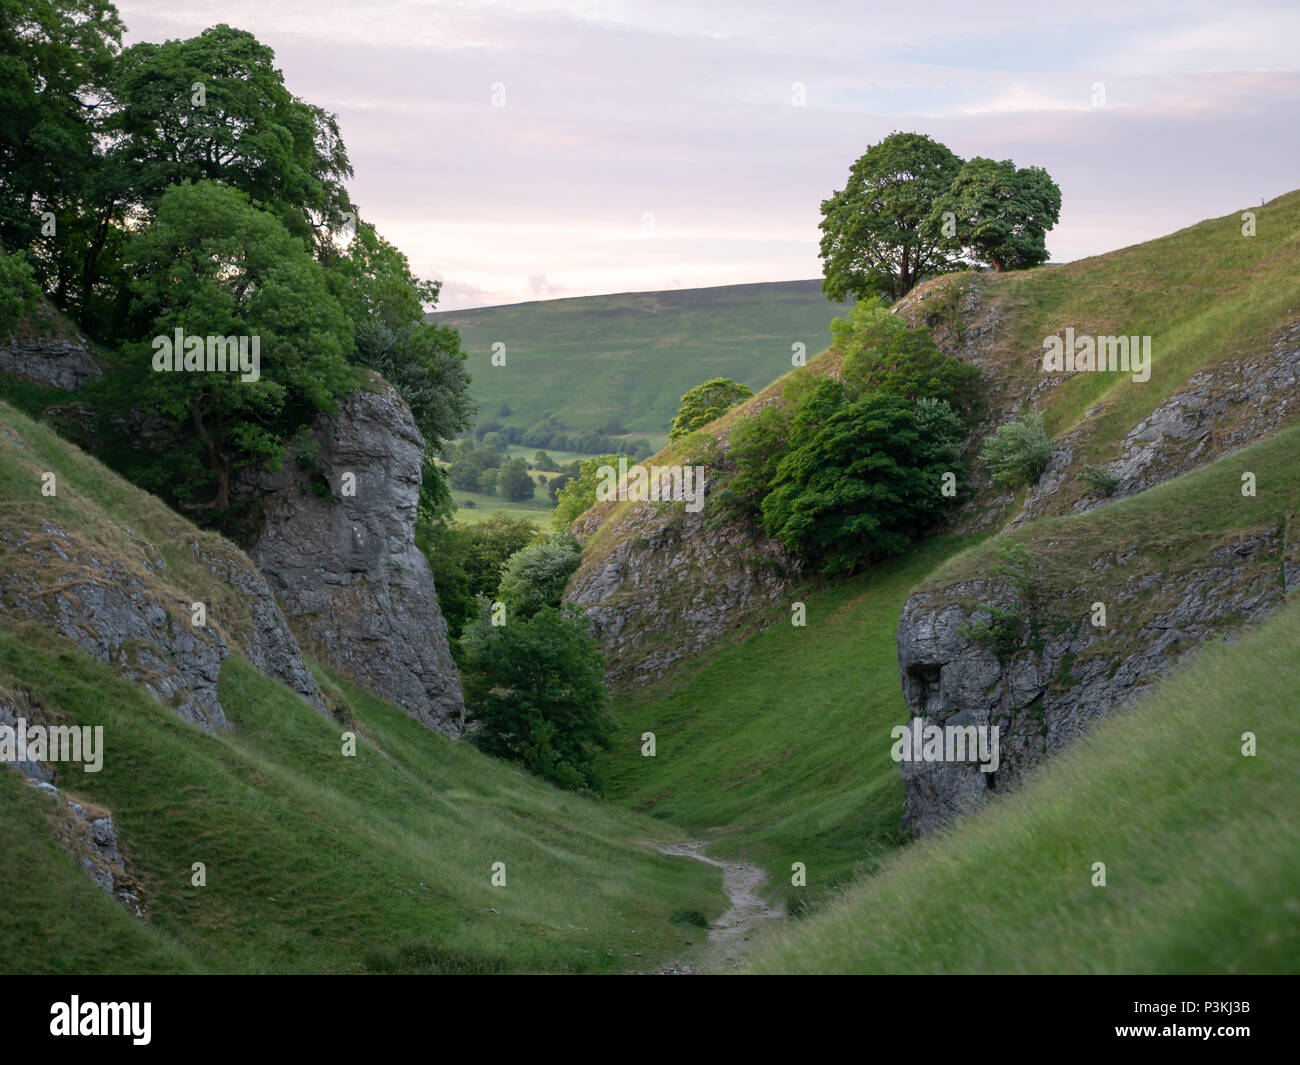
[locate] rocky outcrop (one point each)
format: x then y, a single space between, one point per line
338 550
672 585
1067 672
1220 410
128 619
84 830
89 834
51 361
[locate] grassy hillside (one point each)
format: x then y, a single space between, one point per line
1201 847
315 861
633 355
1209 298
778 746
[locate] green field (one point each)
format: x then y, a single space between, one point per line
633 355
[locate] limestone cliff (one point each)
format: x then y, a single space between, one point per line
1163 597
338 549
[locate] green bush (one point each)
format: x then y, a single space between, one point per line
705 402
579 493
535 576
1099 480
1017 453
536 686
18 290
859 480
882 353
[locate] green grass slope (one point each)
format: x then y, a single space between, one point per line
778 746
380 862
633 355
1200 843
1208 296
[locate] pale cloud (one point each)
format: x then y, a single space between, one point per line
616 109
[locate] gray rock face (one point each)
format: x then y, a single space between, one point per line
673 587
66 364
1217 412
88 833
1043 700
98 604
340 556
96 601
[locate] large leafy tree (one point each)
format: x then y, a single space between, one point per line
1002 213
212 264
875 237
210 108
56 61
385 301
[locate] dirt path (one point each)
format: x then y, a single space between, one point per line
729 934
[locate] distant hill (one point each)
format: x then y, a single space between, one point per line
631 356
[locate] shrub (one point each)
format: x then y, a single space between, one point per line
536 686
1099 480
705 402
18 290
859 480
535 576
579 494
884 354
1017 453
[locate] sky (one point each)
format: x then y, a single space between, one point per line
530 150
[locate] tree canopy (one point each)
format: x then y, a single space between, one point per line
1002 214
912 209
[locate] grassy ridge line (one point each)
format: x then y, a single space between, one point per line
1201 847
633 355
1206 295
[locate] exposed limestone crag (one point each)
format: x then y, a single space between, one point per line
53 361
672 586
1043 697
344 567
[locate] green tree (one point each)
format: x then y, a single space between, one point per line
882 353
578 495
536 686
875 238
18 291
514 482
535 576
705 402
56 62
213 265
859 479
244 129
1002 214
